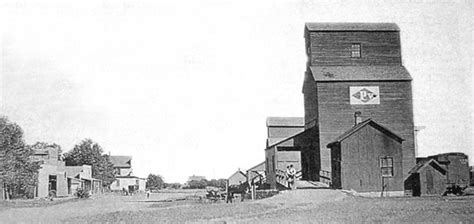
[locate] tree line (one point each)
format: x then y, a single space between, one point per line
156 182
19 169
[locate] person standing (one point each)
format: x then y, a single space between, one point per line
291 176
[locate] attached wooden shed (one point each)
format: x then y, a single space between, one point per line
428 177
367 158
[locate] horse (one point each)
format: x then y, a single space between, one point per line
241 189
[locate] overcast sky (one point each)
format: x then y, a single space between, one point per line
185 86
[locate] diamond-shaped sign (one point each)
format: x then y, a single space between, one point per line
364 95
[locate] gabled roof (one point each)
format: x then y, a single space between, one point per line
357 127
360 73
121 161
352 27
258 167
238 173
425 162
285 121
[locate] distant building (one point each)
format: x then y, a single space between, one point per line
196 178
124 178
257 174
52 174
237 178
81 177
122 165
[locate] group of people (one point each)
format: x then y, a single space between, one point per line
290 176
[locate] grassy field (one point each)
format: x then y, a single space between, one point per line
300 206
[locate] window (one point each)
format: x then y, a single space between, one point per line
386 166
355 51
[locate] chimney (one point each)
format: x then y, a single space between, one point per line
357 117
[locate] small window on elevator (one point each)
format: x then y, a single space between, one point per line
355 50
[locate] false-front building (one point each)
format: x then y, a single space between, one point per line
356 68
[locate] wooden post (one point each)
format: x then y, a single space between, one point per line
254 192
227 191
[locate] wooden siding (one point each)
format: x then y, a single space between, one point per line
308 144
432 182
283 132
336 167
237 179
310 100
270 159
360 161
426 181
334 48
286 158
336 114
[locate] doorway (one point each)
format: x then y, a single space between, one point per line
52 183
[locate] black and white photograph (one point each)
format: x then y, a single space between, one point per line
226 111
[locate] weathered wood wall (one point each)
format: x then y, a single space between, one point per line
432 182
336 114
334 48
360 161
270 159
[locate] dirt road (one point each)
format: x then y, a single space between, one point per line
300 206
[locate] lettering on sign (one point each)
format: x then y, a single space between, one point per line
364 95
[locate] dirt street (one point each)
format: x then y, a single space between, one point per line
300 206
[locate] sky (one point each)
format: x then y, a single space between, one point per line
184 87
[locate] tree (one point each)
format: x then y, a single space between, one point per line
173 185
90 153
154 181
220 183
197 184
18 171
